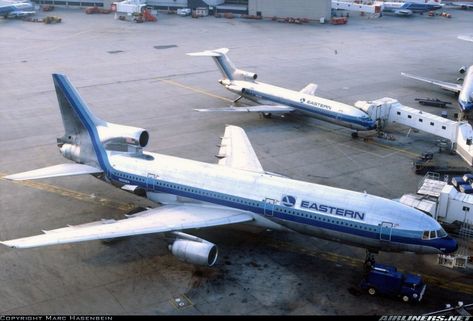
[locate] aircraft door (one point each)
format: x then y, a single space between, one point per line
385 231
269 206
149 182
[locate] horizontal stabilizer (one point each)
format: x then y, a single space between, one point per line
466 38
445 85
209 53
55 171
309 89
158 220
251 109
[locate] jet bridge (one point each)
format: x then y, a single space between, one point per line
389 111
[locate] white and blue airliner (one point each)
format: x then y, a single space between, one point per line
464 91
278 100
194 194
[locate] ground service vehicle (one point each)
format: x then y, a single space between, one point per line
386 280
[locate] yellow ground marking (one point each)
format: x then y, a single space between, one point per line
73 194
197 90
412 154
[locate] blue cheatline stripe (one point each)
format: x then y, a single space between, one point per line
254 206
314 110
86 117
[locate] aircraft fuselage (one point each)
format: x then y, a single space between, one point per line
314 106
345 216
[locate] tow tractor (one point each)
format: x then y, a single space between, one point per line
386 280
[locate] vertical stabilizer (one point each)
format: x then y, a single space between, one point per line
81 142
226 67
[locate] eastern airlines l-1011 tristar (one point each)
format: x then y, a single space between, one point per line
236 190
278 100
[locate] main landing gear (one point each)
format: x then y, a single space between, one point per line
369 261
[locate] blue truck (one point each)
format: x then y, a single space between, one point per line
386 280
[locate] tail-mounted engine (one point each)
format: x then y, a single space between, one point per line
245 75
122 135
79 148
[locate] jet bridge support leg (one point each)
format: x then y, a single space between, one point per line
389 111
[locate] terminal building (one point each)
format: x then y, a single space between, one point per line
308 9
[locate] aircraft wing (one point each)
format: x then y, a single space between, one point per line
309 89
236 151
55 171
251 109
403 12
158 220
445 85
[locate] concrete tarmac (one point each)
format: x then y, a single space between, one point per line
139 75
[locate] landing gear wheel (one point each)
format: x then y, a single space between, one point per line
267 115
371 291
369 262
354 135
405 298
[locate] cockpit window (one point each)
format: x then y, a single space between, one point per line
428 235
441 233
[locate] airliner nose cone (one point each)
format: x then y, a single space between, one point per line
449 245
466 105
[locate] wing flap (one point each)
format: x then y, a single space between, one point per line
445 85
159 220
236 151
464 37
55 171
251 109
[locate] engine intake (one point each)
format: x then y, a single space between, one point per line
199 253
121 134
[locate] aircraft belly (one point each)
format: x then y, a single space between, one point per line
333 120
374 244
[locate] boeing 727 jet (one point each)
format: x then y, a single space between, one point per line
277 100
465 91
16 9
236 190
407 8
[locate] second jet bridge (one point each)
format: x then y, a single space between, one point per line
389 111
